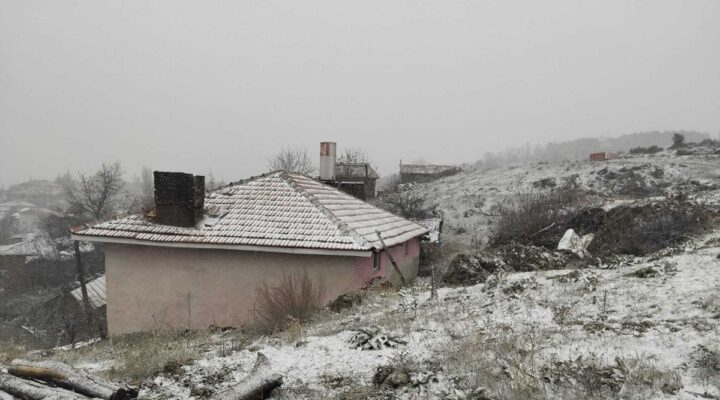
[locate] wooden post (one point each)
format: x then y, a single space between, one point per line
433 289
390 257
83 287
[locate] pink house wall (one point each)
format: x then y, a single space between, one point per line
406 255
162 287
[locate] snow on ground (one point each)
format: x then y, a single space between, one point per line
607 312
467 198
664 319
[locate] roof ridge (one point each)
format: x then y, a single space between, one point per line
247 180
343 227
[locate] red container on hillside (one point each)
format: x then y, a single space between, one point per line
598 156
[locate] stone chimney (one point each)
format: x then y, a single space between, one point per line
179 198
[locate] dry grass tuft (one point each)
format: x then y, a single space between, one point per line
9 350
708 367
503 362
712 304
145 355
294 297
509 363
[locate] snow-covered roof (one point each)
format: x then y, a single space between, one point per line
8 205
95 290
33 245
276 210
37 211
426 169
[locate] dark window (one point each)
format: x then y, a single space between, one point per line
376 260
407 247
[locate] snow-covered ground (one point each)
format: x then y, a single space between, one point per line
664 320
648 327
466 198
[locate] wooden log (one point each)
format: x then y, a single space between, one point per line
65 376
257 386
31 390
6 396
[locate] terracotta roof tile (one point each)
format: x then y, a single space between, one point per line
279 210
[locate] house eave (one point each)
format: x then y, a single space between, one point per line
190 245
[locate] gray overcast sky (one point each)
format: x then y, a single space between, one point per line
220 85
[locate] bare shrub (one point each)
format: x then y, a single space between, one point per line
708 366
503 361
510 362
645 379
649 228
407 204
591 377
294 297
535 218
646 150
712 304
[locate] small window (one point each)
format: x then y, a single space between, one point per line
376 260
407 247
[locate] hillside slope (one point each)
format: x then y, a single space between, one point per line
624 327
466 199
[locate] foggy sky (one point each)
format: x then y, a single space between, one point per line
221 85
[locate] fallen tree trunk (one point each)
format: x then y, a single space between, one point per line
31 390
65 376
6 396
257 385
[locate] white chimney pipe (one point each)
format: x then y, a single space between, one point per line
327 161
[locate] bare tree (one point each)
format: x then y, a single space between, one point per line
354 155
212 183
292 160
96 195
147 189
350 159
678 140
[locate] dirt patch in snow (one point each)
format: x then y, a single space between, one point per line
513 257
471 269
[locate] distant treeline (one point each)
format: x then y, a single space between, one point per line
580 149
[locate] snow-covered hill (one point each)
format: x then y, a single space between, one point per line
466 199
623 328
